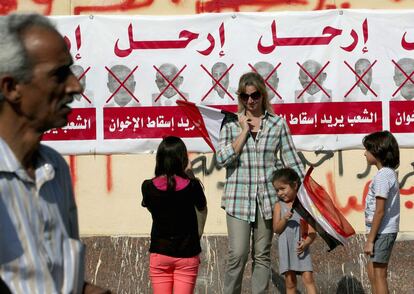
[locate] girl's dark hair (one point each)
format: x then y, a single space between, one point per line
286 175
384 147
171 159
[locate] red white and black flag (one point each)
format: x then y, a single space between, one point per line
315 205
207 120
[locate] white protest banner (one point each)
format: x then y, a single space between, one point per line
334 76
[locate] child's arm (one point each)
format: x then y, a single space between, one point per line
305 243
376 223
279 222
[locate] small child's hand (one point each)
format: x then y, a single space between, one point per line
302 245
288 215
369 248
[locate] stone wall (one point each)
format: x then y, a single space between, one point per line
121 264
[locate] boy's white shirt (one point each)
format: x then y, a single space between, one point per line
385 185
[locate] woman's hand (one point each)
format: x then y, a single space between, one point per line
244 122
240 140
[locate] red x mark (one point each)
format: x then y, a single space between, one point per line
268 77
313 79
80 78
170 83
217 82
408 77
360 78
121 84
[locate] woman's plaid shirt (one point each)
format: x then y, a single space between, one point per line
249 174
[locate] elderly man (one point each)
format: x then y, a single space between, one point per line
264 69
218 95
217 71
367 90
169 93
400 76
312 80
40 251
80 100
121 97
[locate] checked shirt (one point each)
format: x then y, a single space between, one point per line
249 174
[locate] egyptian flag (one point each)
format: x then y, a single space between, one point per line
315 205
207 120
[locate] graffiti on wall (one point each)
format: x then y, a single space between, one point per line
125 5
260 5
353 203
7 6
10 6
200 6
209 6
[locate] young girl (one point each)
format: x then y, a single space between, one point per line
382 206
294 255
175 242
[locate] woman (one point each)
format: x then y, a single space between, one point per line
175 242
249 148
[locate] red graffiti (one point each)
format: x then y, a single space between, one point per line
353 203
321 5
72 169
203 6
352 199
108 173
410 191
7 6
344 5
48 3
124 5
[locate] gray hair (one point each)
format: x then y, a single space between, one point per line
13 56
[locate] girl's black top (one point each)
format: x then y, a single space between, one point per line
174 229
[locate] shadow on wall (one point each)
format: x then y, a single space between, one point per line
349 285
279 282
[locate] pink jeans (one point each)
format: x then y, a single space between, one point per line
173 274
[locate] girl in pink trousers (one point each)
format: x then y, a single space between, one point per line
172 197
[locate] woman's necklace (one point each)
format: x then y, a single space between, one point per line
255 122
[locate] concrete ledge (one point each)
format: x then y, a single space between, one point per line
121 264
